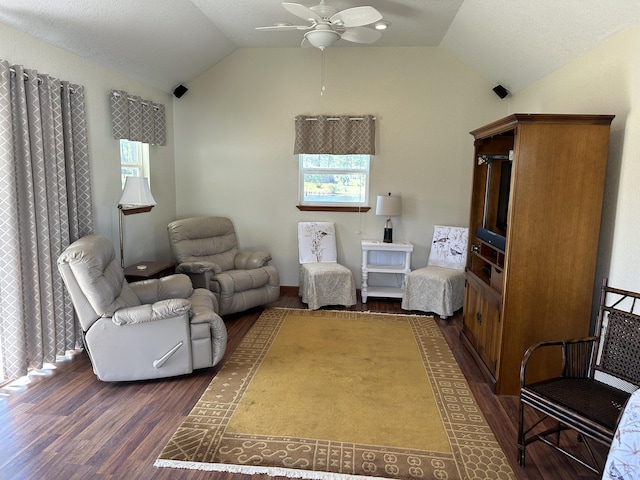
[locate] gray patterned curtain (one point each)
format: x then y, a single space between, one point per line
136 119
337 135
45 203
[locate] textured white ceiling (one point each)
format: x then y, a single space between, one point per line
167 42
516 42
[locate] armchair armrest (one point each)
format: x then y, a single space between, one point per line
203 303
174 307
199 272
250 260
199 267
154 290
576 356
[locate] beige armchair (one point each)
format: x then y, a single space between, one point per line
149 329
206 249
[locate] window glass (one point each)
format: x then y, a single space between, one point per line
134 160
334 180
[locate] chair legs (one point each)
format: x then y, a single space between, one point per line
523 441
521 446
593 464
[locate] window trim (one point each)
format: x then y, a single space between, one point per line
332 206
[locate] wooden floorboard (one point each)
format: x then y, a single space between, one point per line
68 425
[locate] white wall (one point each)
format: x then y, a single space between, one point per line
234 138
605 80
234 134
145 234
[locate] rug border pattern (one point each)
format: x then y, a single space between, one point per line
201 442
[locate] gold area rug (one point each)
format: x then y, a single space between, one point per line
339 394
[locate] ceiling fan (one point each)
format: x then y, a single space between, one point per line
328 24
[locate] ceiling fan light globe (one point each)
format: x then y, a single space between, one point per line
322 38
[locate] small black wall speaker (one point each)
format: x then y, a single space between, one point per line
501 91
180 90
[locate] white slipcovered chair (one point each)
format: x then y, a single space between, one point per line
323 281
439 287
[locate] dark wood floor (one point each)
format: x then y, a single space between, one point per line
68 425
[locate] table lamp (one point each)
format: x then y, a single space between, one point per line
388 206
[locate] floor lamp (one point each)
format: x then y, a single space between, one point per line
136 198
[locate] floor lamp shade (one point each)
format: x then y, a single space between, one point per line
136 198
136 194
388 206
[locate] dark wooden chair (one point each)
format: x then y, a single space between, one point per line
596 377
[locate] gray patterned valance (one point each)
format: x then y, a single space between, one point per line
336 135
136 119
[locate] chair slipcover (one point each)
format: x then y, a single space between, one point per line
439 287
323 281
206 249
150 329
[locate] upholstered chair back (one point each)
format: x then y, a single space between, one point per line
449 247
95 279
210 239
317 242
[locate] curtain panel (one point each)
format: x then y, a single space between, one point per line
45 204
136 119
335 135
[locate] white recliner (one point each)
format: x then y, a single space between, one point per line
206 249
323 281
150 329
439 287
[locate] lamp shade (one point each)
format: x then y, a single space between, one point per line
136 194
388 206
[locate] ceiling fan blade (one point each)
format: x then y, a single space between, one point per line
356 16
361 35
284 28
302 11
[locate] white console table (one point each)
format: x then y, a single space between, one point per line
380 257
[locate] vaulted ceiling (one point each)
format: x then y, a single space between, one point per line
163 43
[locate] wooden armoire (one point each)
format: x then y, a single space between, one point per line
536 204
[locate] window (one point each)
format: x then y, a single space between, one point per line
334 180
134 159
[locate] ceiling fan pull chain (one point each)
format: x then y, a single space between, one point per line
322 89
